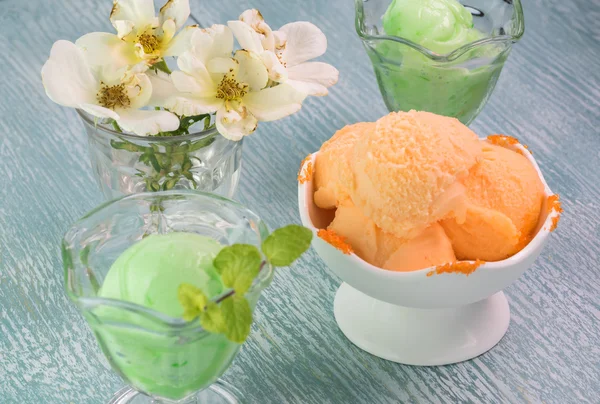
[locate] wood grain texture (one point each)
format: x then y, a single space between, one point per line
548 96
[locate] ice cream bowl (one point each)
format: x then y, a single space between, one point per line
421 317
162 359
456 84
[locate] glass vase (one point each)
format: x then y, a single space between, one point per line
163 359
457 84
125 164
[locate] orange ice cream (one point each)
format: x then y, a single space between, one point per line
505 196
415 190
358 230
405 172
333 161
430 248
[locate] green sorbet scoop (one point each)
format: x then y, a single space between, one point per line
150 271
439 25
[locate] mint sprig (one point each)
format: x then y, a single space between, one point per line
192 299
286 245
212 319
239 265
238 318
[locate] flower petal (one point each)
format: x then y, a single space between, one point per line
165 94
252 70
198 83
274 103
193 77
235 123
213 42
277 71
100 112
168 29
102 48
246 36
162 88
111 75
280 39
139 90
176 10
188 62
223 66
123 27
312 78
188 105
182 42
147 122
304 41
254 18
140 12
308 88
67 79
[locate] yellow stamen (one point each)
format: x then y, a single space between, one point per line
280 58
229 89
149 42
113 96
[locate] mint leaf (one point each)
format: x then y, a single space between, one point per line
212 319
238 318
238 265
286 245
192 299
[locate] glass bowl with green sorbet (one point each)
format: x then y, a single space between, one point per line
440 56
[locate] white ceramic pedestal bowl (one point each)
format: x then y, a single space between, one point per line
415 319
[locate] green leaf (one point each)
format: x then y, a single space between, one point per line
162 66
169 184
192 299
202 143
187 163
238 318
238 265
124 145
149 157
116 126
154 186
286 245
212 319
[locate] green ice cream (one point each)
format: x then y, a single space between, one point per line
410 80
151 356
150 272
438 25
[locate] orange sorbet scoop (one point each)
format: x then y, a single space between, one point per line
505 196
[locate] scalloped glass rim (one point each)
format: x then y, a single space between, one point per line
455 54
90 120
175 324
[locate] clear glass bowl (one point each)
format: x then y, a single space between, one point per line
456 84
162 358
126 164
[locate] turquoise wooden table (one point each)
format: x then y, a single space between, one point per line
548 96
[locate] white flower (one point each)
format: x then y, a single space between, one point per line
286 52
211 80
104 92
141 36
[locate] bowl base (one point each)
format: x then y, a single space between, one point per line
422 337
218 393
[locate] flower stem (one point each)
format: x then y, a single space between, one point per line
116 126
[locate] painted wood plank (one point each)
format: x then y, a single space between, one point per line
548 96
